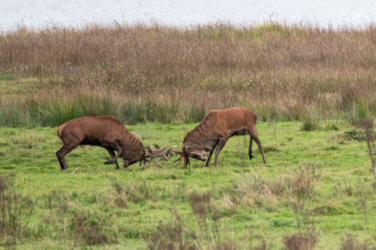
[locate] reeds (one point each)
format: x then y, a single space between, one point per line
181 73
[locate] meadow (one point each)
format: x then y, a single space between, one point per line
312 90
317 187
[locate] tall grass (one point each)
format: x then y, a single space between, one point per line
54 111
180 73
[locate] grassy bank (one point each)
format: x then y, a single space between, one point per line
316 190
165 74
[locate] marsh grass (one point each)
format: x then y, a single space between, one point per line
54 111
297 72
12 116
311 121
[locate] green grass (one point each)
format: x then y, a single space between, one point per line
8 77
123 209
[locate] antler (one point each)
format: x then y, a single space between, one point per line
158 152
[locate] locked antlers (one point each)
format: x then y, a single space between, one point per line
158 152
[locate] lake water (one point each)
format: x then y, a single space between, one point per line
74 13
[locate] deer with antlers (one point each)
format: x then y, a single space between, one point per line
214 131
109 133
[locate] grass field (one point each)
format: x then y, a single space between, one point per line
317 185
307 86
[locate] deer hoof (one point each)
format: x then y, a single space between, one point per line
108 162
250 157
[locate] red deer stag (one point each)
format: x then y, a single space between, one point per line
109 133
214 131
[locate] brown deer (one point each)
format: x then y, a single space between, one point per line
214 131
109 133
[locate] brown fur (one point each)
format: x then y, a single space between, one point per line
214 131
104 131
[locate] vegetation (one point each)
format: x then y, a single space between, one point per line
316 191
154 73
312 90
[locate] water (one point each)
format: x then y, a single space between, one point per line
74 13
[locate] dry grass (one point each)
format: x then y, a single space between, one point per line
300 242
350 243
278 70
176 235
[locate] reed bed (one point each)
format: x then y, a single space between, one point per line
142 73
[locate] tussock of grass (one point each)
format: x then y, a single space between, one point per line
350 243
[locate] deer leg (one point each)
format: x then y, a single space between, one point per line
250 152
255 137
220 145
186 162
112 154
179 160
61 156
117 147
210 155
